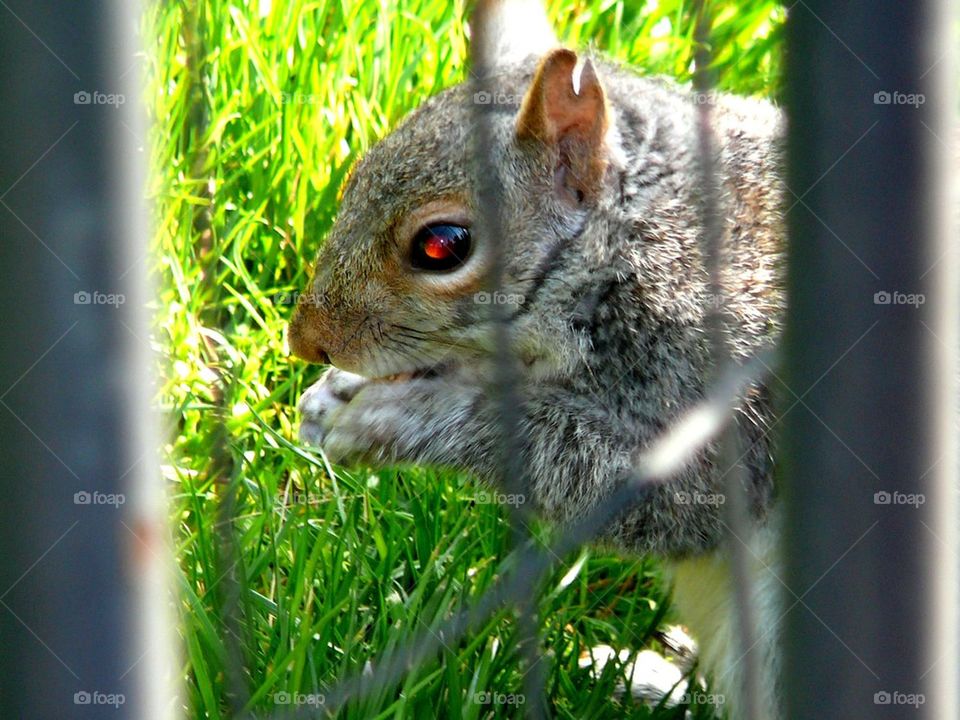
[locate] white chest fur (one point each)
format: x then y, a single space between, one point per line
704 597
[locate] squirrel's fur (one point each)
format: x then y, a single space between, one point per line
609 301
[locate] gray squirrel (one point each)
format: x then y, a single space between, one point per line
609 299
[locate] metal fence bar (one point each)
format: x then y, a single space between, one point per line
871 350
737 524
74 426
490 230
151 566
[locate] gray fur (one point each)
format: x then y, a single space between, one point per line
612 329
611 335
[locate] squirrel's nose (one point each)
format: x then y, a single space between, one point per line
304 343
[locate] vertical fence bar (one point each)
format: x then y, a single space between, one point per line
489 227
150 563
869 458
73 425
736 513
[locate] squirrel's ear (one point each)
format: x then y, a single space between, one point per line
511 30
572 121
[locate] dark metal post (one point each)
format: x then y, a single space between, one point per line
74 429
869 458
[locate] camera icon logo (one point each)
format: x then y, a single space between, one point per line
82 498
483 97
882 98
81 698
281 698
882 498
82 298
82 98
882 298
881 698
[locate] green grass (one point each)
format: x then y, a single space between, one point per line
259 109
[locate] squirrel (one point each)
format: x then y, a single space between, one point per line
609 299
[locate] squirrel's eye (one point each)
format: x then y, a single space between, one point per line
440 247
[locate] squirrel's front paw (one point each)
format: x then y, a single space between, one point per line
333 390
421 420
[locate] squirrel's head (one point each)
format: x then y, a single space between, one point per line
401 284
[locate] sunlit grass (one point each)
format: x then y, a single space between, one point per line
259 110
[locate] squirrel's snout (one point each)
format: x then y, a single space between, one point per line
304 343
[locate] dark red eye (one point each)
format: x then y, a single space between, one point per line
440 247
